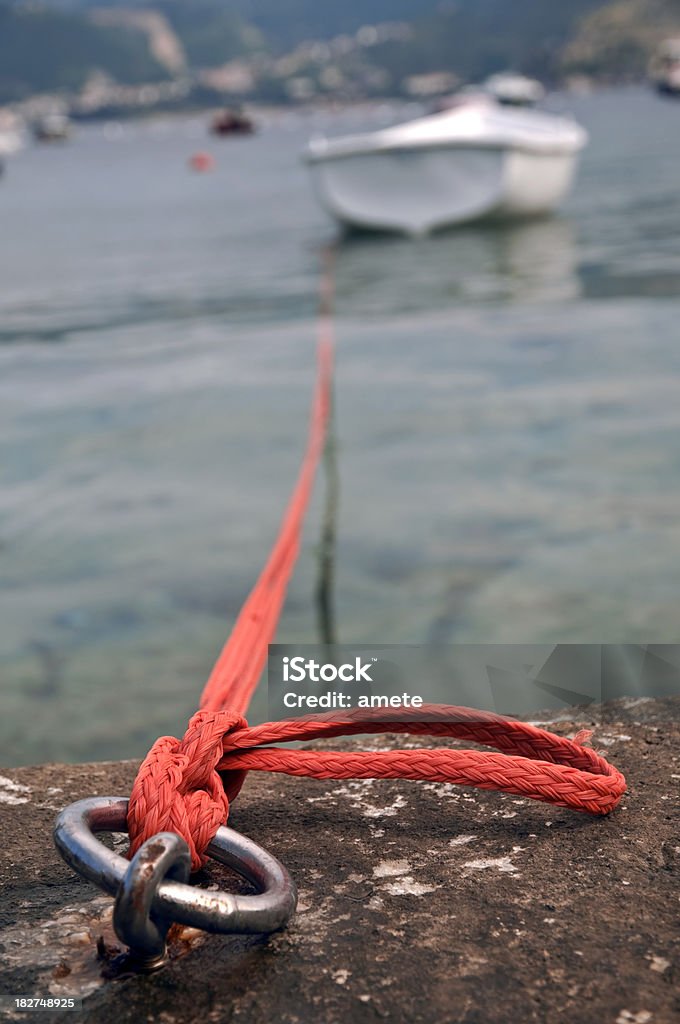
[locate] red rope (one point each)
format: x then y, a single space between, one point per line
178 788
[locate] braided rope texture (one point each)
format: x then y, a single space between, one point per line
179 788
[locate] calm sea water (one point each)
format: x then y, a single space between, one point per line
507 415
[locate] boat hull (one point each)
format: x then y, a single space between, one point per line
417 191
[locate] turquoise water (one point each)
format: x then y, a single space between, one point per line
506 416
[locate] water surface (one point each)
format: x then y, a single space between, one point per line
506 415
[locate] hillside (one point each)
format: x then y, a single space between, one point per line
282 50
211 31
617 41
479 37
286 23
45 50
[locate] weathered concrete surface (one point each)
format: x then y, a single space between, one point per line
417 902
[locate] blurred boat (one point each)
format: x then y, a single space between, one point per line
232 122
664 68
52 128
514 90
11 134
476 160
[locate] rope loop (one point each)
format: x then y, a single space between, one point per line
186 786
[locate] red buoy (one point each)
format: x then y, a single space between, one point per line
202 162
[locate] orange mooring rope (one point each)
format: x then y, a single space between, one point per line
178 788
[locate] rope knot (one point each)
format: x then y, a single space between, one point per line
178 789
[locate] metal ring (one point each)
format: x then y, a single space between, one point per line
268 911
165 855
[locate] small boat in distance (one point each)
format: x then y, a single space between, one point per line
513 90
52 128
476 160
11 137
232 122
664 68
11 133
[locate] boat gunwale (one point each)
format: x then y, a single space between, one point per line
550 149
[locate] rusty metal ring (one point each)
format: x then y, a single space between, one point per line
164 856
171 900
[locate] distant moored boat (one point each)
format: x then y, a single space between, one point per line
664 68
232 122
476 160
514 90
11 134
52 128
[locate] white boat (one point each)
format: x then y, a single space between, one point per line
514 90
53 127
11 134
476 160
664 68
